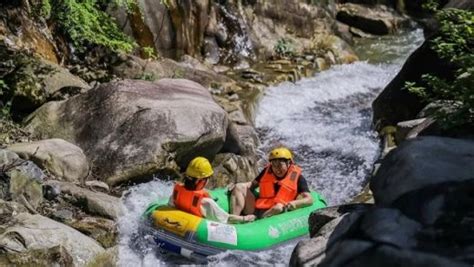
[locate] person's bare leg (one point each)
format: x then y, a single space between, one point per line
249 207
242 199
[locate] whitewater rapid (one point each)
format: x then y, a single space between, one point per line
325 120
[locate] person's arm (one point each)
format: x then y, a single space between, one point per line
304 197
303 200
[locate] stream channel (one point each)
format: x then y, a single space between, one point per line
326 120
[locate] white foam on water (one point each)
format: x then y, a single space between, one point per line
326 120
135 201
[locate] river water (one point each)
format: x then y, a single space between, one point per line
325 120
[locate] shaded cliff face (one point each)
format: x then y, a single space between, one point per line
226 31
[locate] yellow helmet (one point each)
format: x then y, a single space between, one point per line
280 153
199 168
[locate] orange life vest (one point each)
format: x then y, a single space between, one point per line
287 192
188 200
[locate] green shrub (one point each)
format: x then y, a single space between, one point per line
284 47
454 43
85 23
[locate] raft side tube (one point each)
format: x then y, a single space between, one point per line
258 235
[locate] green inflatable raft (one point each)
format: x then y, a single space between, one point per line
196 238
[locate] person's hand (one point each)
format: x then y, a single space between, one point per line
249 218
290 206
278 208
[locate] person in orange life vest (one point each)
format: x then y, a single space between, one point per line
282 188
191 196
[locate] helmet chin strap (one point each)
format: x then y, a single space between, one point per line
201 183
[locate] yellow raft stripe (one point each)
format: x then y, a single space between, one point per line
175 221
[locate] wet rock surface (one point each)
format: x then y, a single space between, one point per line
421 215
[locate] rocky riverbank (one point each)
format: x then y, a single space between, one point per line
420 186
91 127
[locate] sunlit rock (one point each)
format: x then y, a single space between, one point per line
133 129
35 232
95 203
62 159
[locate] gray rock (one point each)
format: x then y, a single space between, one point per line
51 192
136 68
341 253
33 232
102 230
63 215
98 185
389 226
8 157
421 162
376 20
94 203
241 139
404 127
231 168
365 254
211 50
133 129
53 256
25 185
319 218
62 159
311 252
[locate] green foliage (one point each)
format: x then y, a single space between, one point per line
178 74
147 76
85 23
284 47
149 52
430 5
128 4
45 10
455 43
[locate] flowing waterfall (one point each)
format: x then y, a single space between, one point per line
326 120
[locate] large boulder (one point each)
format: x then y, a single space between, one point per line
422 217
386 237
62 159
35 81
322 224
422 162
27 232
378 20
395 103
132 129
